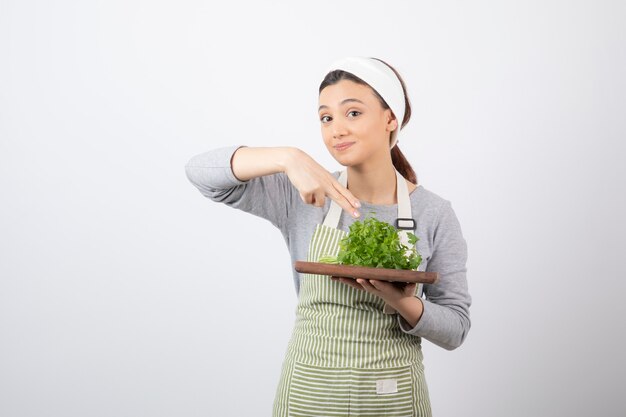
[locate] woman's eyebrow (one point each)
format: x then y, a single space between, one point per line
323 106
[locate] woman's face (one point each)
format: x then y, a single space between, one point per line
355 127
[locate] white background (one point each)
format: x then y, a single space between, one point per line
125 292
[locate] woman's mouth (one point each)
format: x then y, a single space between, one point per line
343 146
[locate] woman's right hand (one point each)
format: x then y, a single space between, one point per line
314 183
311 180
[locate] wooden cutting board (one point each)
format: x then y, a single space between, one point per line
352 271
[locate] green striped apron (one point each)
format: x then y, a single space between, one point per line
347 356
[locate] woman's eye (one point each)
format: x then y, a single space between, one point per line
323 118
354 111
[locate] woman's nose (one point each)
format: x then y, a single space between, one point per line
338 130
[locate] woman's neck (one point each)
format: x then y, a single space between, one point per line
374 184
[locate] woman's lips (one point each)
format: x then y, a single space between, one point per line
342 146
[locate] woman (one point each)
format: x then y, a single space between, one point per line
356 344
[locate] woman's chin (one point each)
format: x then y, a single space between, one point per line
346 160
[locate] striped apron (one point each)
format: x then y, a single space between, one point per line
347 355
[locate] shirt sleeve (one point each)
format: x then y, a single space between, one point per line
268 197
445 320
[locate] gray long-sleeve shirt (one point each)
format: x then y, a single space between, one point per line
445 320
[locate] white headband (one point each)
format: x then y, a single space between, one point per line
382 79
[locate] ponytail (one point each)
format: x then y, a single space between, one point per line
402 165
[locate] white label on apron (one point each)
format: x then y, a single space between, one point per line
386 386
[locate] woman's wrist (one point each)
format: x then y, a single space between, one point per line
287 157
410 308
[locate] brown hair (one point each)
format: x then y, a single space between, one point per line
397 157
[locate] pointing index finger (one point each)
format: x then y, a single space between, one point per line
345 199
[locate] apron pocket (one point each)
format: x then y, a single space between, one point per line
317 391
382 392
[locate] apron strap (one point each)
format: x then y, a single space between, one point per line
332 218
405 222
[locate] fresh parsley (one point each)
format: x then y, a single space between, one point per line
375 243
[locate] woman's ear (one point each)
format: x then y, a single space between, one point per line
392 122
